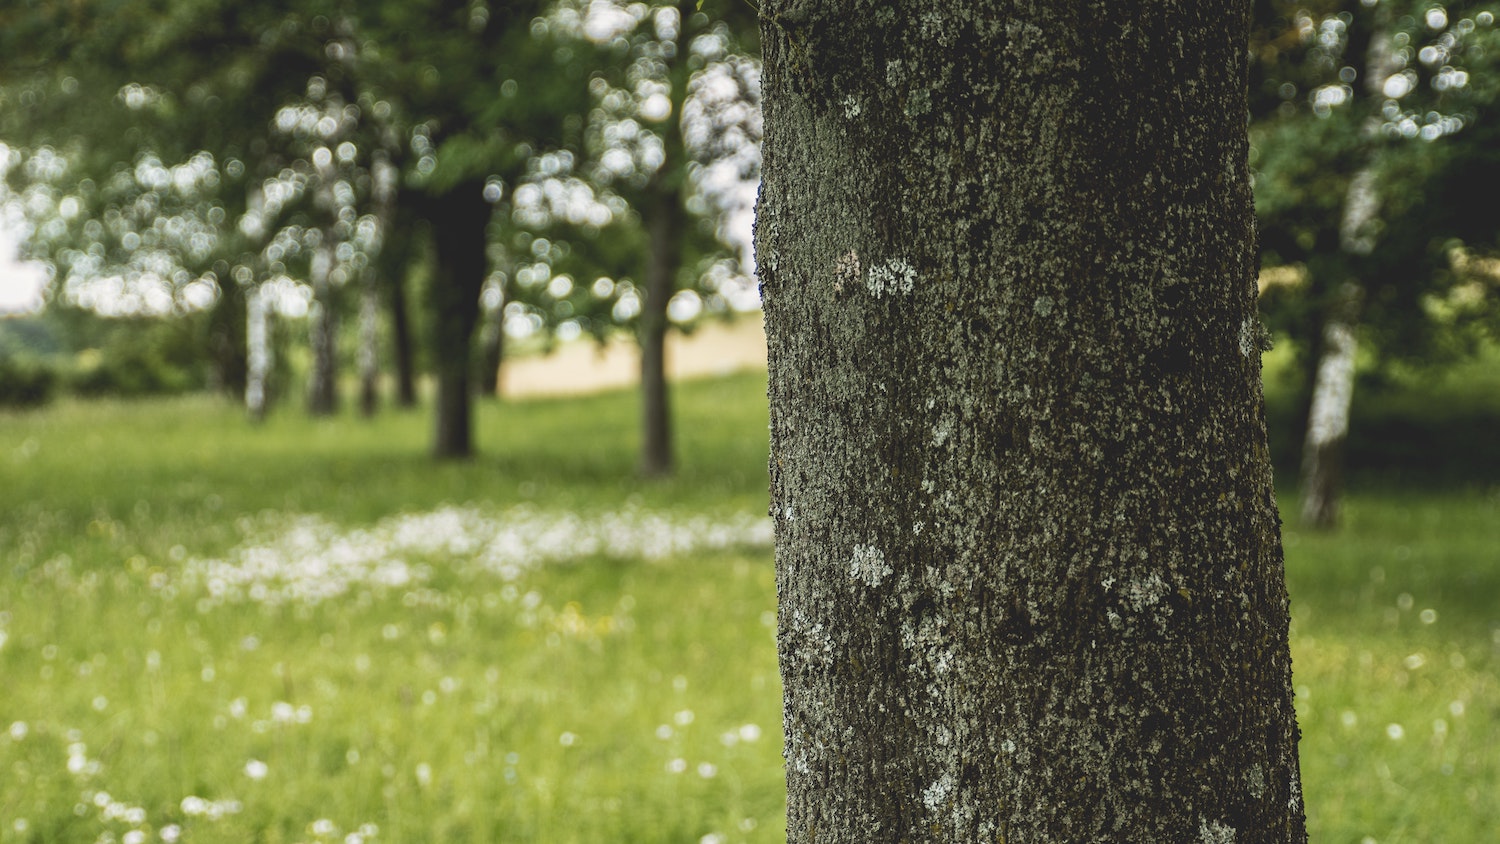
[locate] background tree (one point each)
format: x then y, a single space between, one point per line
484 89
656 129
1028 558
103 84
477 91
1360 107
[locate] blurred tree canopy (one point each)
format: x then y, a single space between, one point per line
189 151
1374 169
573 168
1405 93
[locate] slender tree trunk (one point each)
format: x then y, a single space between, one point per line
322 327
664 260
401 344
492 340
384 176
1333 384
257 351
323 317
1328 420
458 219
665 243
226 339
395 263
1028 560
258 346
369 348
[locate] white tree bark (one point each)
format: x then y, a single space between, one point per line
258 343
1333 384
384 177
1328 417
258 360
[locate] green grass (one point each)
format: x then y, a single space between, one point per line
598 690
1396 661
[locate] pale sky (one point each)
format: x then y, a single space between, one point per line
20 283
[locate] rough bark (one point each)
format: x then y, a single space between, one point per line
258 354
665 220
458 219
1028 557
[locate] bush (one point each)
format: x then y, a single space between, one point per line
25 382
124 372
137 357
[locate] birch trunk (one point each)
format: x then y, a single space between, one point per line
492 337
384 177
258 362
369 348
1333 385
258 353
1028 558
322 388
1328 418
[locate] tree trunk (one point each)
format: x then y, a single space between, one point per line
1333 384
1028 560
322 327
258 348
664 259
395 257
458 219
1328 420
492 341
1322 479
226 342
369 348
384 178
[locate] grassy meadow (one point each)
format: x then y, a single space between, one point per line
308 632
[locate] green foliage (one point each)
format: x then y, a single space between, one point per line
134 356
1403 92
29 336
76 351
